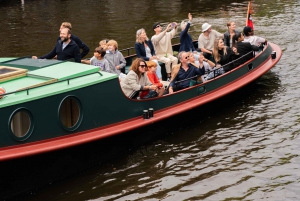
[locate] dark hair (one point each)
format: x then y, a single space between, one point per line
237 36
101 51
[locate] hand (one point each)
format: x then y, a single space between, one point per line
175 25
117 67
234 49
34 57
152 87
171 90
152 58
169 27
190 17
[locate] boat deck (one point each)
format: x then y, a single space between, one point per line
56 77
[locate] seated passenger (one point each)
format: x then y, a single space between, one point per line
136 79
223 54
151 73
229 35
184 71
253 40
144 49
102 44
114 57
186 42
206 40
244 49
98 60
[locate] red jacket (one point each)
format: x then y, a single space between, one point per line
153 79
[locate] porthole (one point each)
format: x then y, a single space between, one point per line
70 113
21 124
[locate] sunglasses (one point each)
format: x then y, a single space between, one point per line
157 26
143 66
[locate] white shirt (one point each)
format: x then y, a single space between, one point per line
254 40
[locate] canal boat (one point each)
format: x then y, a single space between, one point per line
49 105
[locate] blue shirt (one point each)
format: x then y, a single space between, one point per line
182 74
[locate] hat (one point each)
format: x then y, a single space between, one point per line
246 30
205 26
155 25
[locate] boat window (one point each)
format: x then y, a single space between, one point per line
21 124
70 113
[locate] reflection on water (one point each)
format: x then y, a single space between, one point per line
247 150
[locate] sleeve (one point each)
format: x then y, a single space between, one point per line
81 45
106 66
50 55
76 54
132 82
137 48
260 39
92 61
226 39
173 32
185 31
200 42
122 61
254 47
199 71
156 38
219 35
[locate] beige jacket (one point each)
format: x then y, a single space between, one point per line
132 83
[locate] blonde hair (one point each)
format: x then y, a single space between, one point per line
216 50
67 25
112 42
138 33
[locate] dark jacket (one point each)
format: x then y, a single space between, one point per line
226 58
243 48
71 51
182 74
227 37
81 45
186 42
141 51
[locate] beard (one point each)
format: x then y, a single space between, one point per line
64 39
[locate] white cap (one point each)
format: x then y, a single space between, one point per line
205 26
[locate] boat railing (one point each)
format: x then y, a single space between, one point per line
48 83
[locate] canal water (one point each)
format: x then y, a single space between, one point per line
247 150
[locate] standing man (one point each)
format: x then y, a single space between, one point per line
206 40
184 70
163 46
65 48
81 45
